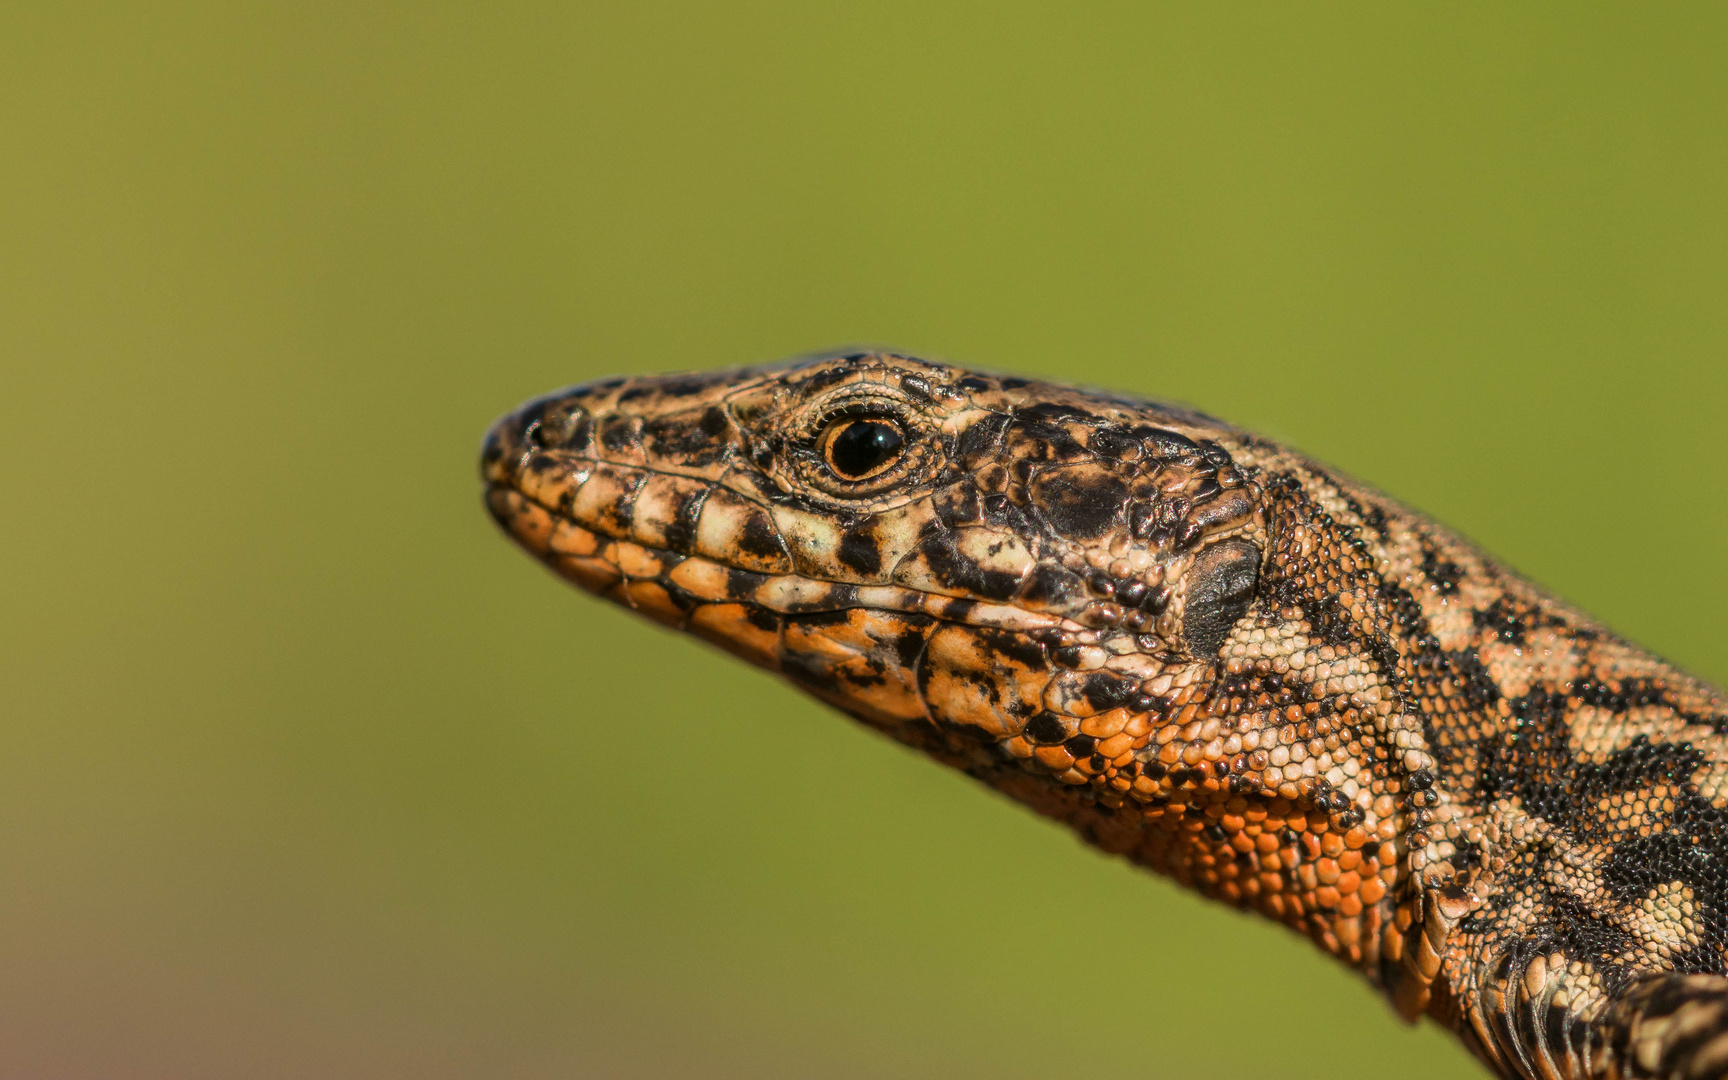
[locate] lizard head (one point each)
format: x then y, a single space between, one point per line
977 564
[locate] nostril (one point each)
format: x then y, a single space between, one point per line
559 427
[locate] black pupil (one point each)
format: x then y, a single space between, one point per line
862 447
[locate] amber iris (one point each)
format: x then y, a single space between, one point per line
859 448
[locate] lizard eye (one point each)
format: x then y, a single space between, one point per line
860 447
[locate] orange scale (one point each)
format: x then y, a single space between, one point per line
1054 757
1106 725
595 575
1115 746
650 598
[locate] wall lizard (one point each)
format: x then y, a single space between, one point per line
1203 652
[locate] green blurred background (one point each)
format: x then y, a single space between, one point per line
307 772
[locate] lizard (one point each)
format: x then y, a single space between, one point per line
1200 650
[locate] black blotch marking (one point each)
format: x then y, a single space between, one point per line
956 571
1050 410
1621 695
1081 506
742 584
715 422
1504 619
1384 655
1441 571
1040 441
760 538
677 437
1478 686
677 388
860 549
1404 608
1052 586
843 596
1104 692
1373 515
818 610
981 440
581 433
1016 647
681 530
1046 728
817 618
618 432
973 383
910 640
957 609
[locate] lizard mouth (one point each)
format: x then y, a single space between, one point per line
672 586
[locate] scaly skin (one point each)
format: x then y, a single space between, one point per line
1203 652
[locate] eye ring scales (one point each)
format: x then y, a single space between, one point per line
859 448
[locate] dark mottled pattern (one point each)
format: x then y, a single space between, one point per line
1203 652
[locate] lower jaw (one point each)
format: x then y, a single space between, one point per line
856 647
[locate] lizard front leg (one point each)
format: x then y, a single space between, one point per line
1559 967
